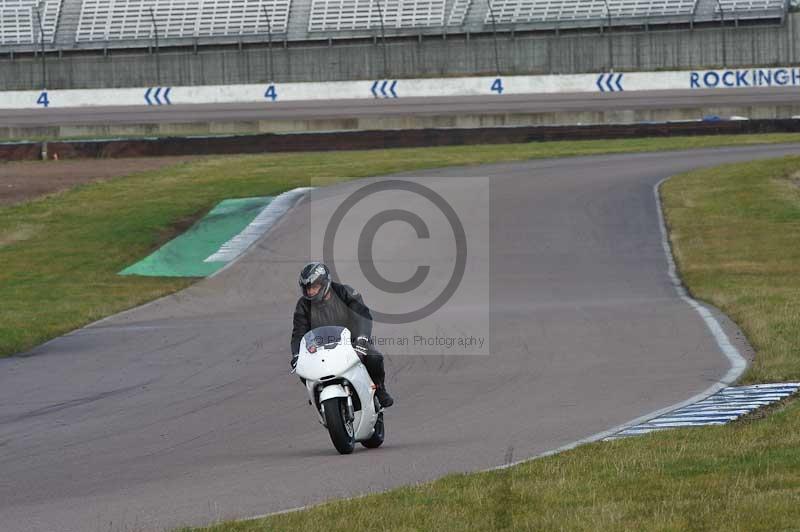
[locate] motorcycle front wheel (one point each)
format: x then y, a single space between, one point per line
341 430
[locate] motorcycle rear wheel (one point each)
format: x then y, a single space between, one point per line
376 440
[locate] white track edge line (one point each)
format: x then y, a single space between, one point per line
737 361
238 244
288 199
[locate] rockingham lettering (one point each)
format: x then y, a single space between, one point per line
741 79
757 77
711 79
726 79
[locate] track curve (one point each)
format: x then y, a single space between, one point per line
181 411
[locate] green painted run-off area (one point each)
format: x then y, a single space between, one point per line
185 255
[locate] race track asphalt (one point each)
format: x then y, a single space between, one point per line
449 106
182 412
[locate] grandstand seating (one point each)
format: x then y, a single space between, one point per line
742 6
107 20
93 23
20 25
338 15
520 11
458 13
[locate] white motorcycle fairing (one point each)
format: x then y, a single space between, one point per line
334 390
333 369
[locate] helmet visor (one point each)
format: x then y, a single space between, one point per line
311 290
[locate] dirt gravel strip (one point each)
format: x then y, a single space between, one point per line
26 180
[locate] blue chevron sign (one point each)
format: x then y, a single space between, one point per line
158 97
610 82
379 88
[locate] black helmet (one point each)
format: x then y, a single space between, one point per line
313 273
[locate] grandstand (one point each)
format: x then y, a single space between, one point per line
77 24
112 20
521 11
19 21
337 15
749 8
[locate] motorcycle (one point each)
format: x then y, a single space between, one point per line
340 389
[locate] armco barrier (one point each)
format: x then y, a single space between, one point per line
20 151
404 88
365 140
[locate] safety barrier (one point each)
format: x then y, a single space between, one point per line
363 140
404 88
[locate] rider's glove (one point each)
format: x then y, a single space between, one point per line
294 362
362 346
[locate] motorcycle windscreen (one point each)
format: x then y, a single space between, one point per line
326 336
328 353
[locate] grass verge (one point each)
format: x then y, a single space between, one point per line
735 232
61 254
736 235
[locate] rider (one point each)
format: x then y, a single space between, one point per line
325 302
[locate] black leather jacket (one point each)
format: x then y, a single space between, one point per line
344 308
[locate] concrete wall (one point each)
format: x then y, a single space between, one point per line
700 48
750 78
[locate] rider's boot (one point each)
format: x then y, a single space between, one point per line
383 396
